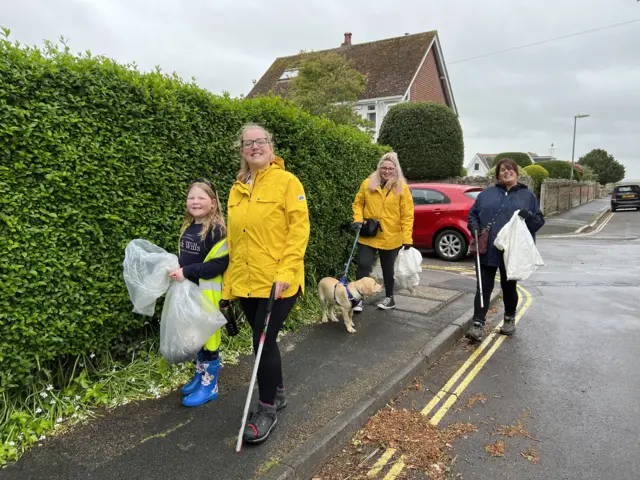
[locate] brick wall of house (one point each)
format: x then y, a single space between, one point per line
427 87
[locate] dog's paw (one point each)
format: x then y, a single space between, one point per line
324 320
351 329
335 319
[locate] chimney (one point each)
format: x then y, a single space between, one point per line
347 39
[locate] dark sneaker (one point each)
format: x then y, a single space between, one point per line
476 332
358 307
508 326
281 399
387 304
260 424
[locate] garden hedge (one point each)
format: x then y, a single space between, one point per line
522 159
560 169
427 138
538 174
94 154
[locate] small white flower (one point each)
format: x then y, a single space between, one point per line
67 399
75 415
76 408
52 402
49 387
20 437
44 394
93 355
82 364
43 437
11 444
59 420
76 398
38 410
132 380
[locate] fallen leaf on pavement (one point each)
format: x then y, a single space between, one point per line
495 449
531 455
478 397
513 430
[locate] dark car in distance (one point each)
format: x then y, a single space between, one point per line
625 196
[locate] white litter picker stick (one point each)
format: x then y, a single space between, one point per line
254 375
478 270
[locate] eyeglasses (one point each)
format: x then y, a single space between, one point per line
387 169
261 142
505 168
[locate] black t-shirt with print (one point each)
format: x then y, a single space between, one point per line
193 251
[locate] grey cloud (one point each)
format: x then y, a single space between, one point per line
521 100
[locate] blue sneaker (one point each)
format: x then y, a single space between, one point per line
207 390
190 387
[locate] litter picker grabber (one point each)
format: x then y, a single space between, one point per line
255 366
343 279
478 271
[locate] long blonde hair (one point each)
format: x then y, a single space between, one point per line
213 218
245 172
396 183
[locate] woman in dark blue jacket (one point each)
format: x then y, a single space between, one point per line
496 205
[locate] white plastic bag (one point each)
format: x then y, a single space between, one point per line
407 268
521 257
188 318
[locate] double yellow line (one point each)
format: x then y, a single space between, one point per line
477 359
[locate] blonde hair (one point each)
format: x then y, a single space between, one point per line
396 183
212 219
244 172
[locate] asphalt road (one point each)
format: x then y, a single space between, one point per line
570 375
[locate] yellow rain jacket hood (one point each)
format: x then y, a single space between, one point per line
393 210
268 232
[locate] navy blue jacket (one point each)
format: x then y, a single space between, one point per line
487 207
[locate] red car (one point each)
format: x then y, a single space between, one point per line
440 222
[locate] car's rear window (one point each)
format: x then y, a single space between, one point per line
472 194
627 189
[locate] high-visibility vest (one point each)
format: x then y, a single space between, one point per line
212 287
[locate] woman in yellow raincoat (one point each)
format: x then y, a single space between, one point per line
384 198
268 232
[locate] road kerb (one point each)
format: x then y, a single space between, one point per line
311 454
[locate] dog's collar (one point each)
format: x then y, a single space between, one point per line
358 296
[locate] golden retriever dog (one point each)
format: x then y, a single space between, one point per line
333 294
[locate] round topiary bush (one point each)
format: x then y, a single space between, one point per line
538 174
427 138
522 159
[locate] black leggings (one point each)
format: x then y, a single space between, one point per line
366 256
509 292
270 369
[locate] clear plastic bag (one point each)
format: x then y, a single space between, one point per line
188 318
521 257
407 268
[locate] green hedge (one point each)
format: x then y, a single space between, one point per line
522 159
560 169
538 174
94 154
427 137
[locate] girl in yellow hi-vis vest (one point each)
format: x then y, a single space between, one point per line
204 256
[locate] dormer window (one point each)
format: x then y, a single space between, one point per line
288 74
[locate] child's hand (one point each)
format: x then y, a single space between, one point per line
177 275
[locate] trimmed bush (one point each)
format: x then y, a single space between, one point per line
522 159
95 154
538 175
427 138
560 169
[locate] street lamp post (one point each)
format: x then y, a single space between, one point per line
573 151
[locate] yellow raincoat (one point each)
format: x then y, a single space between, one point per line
268 232
394 211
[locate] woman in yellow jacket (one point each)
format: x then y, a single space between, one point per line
384 196
268 232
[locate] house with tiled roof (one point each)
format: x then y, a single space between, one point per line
480 164
410 68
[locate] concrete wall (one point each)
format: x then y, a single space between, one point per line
557 195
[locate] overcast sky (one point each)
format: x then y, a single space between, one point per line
522 100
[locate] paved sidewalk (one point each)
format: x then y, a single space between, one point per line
335 382
576 219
